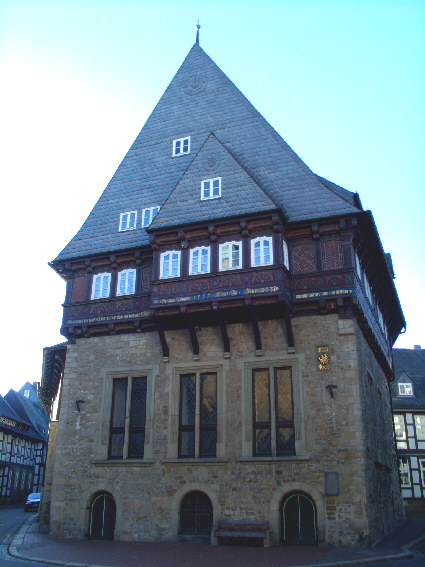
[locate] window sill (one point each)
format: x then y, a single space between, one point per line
124 463
199 461
272 459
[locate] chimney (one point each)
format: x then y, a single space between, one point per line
417 347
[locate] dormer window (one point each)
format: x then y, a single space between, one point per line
126 282
230 256
261 251
128 221
148 215
405 389
101 286
199 260
170 264
181 146
211 188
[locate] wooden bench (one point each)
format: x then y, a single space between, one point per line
242 529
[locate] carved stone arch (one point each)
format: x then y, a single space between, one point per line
176 501
86 499
281 493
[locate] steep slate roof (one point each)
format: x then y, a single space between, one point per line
412 364
239 193
199 100
30 411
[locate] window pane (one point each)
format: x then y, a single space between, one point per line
175 265
195 261
130 281
136 444
105 286
209 399
285 442
188 393
206 189
155 211
97 281
225 255
146 217
262 442
117 443
208 443
420 426
261 396
257 253
177 147
138 402
283 394
187 444
186 145
119 402
122 283
235 255
266 252
216 188
166 265
124 219
132 221
204 261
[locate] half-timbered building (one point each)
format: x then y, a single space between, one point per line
229 317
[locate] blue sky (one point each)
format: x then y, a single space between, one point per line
342 82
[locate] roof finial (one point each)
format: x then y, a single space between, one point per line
198 27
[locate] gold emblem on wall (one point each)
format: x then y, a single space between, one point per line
323 358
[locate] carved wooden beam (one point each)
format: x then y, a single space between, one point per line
193 337
224 334
256 329
162 339
289 331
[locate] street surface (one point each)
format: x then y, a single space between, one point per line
11 518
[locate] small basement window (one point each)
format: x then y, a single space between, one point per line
181 146
128 221
211 188
148 215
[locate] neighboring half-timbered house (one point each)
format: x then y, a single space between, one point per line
23 444
230 317
408 396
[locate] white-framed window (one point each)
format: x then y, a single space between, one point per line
403 466
230 256
148 215
101 285
405 389
420 427
199 262
399 428
285 254
170 264
126 282
181 146
211 188
262 251
128 221
422 471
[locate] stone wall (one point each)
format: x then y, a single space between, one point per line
330 436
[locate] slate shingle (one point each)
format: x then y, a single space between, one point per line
199 100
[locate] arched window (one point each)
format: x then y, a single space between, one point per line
102 517
299 520
196 514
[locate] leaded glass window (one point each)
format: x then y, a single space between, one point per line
127 437
198 415
273 420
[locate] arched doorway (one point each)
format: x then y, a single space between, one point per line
196 514
299 520
102 517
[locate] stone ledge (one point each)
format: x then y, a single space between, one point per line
272 459
201 461
124 463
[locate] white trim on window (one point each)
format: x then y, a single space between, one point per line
126 283
230 256
128 221
148 215
170 264
262 251
101 285
199 262
399 427
285 254
211 188
405 389
181 146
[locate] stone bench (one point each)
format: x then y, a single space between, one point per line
241 529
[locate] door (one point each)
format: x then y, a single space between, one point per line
102 517
299 520
196 514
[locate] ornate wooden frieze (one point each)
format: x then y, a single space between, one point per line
323 282
107 310
303 258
